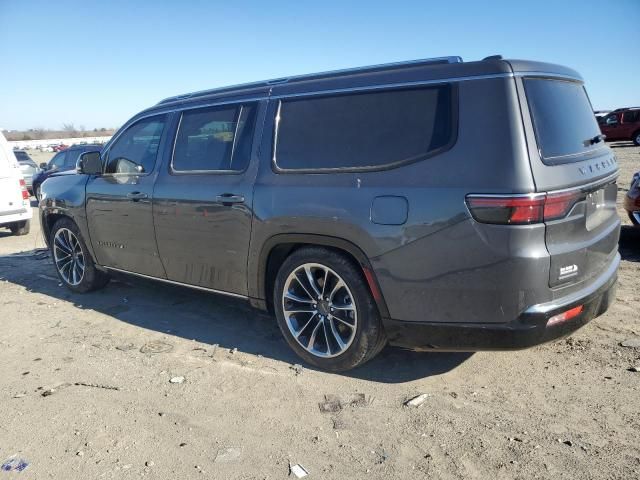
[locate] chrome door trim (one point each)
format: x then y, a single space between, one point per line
173 282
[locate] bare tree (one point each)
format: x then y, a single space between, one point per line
69 128
39 132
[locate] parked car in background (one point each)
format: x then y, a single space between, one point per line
632 200
61 162
362 207
15 207
59 148
622 124
28 167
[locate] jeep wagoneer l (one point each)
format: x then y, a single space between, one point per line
433 204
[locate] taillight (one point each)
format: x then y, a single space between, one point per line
507 210
558 205
23 187
521 209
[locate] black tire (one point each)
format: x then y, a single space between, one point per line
20 228
92 278
36 192
369 337
636 138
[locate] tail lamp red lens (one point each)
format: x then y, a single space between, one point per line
521 209
564 316
23 187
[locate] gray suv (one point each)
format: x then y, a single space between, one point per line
434 204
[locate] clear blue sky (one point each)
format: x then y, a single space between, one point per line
96 63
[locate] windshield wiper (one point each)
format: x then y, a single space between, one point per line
594 140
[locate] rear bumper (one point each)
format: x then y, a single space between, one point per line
16 216
529 329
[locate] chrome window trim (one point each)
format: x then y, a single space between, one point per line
173 171
282 80
453 92
173 282
267 95
558 76
384 86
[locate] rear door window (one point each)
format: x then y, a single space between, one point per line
631 117
214 139
563 119
367 130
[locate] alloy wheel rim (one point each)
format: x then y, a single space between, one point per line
68 256
319 310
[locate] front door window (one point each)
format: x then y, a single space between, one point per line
135 151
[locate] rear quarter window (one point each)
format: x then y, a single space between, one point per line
364 131
562 118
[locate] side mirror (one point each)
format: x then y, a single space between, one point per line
44 166
89 163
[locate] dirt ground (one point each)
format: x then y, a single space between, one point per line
86 390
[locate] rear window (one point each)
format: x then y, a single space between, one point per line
364 130
21 156
563 119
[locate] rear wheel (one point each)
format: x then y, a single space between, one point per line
325 310
636 138
72 260
20 228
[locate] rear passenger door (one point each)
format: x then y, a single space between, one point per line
203 200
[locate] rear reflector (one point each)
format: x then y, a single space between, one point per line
564 316
521 209
23 187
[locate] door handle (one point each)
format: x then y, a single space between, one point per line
135 196
228 199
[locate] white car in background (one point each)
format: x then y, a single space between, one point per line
15 206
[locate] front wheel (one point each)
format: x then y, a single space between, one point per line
325 310
72 260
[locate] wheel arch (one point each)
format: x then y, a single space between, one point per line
49 217
279 247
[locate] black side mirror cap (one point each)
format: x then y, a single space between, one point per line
89 163
44 165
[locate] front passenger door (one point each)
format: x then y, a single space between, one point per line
119 202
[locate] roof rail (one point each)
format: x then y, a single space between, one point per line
346 71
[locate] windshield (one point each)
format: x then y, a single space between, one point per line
563 119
